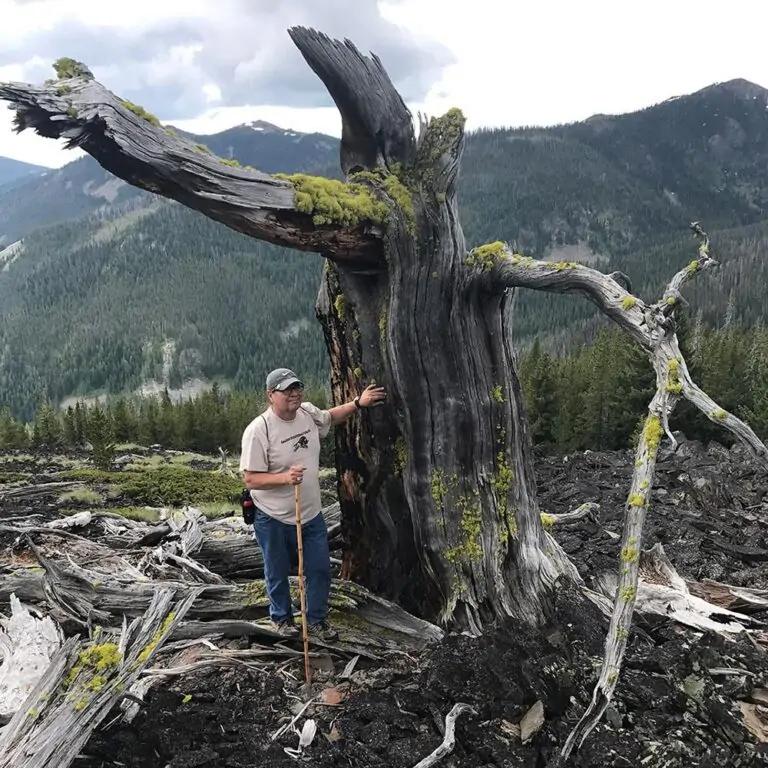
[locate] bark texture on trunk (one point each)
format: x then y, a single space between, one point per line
437 489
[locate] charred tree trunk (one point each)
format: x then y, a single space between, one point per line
437 490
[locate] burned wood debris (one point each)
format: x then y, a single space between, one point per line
146 644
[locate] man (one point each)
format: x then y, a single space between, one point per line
281 449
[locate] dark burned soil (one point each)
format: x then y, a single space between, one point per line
680 700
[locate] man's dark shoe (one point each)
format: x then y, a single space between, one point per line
285 628
322 631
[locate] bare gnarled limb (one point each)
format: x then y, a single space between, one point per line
672 382
132 144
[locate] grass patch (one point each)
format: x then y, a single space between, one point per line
165 486
214 509
84 495
12 477
139 514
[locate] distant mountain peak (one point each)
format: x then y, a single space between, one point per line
738 87
262 126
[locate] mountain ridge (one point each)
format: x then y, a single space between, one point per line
617 192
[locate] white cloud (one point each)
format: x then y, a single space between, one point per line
537 63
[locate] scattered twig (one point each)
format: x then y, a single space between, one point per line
449 740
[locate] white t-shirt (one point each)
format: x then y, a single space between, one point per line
272 444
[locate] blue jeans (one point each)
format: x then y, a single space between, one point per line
280 550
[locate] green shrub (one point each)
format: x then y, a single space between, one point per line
176 486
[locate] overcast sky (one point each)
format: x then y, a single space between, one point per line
205 65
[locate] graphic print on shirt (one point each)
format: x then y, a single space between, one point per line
302 442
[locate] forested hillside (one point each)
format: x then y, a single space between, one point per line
110 288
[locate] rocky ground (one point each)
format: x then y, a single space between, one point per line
682 700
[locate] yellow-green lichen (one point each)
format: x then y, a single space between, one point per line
140 111
652 433
485 256
470 526
71 111
719 413
562 265
102 658
358 372
340 304
231 161
383 317
636 500
674 385
629 554
628 593
438 487
693 266
187 699
548 521
671 300
156 638
628 302
401 454
330 201
496 394
202 149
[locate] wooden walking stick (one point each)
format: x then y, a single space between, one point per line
302 593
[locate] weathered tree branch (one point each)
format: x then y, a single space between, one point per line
449 740
672 381
133 146
377 127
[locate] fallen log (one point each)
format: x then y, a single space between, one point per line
82 683
663 592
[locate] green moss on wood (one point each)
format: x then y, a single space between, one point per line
329 201
497 394
140 111
486 256
628 302
395 189
67 68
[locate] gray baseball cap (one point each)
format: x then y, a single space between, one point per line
282 378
